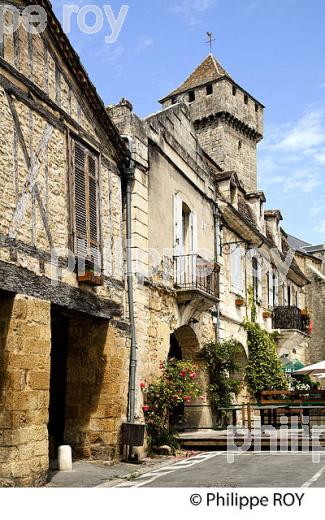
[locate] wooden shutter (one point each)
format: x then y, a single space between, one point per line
81 239
271 287
93 209
276 288
259 280
194 237
87 243
254 277
236 269
178 225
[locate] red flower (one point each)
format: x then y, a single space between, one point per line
142 386
192 375
183 373
146 408
161 366
187 398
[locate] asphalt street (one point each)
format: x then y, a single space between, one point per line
248 470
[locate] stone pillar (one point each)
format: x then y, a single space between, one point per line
25 344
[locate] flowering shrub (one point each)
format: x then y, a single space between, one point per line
176 386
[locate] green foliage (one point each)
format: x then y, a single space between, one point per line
221 362
264 370
176 385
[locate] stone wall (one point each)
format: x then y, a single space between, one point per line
97 388
25 332
316 304
231 150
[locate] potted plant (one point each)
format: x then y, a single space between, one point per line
239 301
89 276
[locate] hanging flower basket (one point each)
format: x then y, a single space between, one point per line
240 302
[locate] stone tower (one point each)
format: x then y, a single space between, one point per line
228 120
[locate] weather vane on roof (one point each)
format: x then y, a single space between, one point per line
211 40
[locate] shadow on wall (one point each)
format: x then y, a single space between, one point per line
6 306
90 410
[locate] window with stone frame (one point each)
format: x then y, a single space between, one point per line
85 206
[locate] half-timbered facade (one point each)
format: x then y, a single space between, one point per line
63 334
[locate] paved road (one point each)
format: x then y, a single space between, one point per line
248 470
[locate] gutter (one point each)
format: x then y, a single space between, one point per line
129 175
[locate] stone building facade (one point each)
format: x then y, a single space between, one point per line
202 243
64 334
312 261
195 203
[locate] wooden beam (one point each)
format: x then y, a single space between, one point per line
20 280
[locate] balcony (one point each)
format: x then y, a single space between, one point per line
290 318
196 279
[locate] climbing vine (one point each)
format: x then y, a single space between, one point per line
264 370
220 358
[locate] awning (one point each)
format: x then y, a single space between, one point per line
317 368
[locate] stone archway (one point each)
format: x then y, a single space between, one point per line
185 346
188 343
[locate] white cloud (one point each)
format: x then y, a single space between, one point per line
191 10
143 43
293 157
320 228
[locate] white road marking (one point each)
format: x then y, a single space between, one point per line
314 478
182 464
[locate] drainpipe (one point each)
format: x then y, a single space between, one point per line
129 174
216 215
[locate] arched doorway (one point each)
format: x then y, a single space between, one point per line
184 346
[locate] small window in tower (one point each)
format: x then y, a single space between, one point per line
234 90
191 96
256 107
246 99
240 144
209 90
174 100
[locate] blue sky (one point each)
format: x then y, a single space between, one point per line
274 48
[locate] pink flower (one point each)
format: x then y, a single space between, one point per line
142 386
161 366
146 408
187 398
192 375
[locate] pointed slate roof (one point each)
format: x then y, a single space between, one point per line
209 70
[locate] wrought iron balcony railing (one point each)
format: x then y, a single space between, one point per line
286 318
192 272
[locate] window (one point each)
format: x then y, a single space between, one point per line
234 90
191 96
174 100
256 107
246 99
86 236
257 280
209 90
